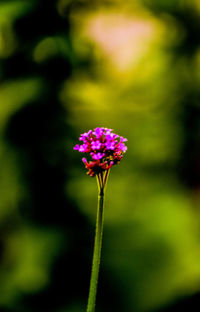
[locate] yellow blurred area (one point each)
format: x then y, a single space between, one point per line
129 57
9 11
122 39
14 94
50 47
27 265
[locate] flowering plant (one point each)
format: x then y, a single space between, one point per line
105 149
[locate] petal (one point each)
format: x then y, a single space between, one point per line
76 147
84 160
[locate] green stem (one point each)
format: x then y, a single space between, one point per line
97 251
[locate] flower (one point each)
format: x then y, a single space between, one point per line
105 148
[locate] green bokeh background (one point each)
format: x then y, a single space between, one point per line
70 66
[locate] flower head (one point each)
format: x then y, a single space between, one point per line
104 147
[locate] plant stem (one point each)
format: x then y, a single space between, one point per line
97 248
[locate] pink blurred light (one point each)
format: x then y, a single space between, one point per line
123 39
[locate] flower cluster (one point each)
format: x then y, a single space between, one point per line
105 147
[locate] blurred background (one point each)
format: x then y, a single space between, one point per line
68 66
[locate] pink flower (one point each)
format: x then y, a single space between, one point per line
97 156
105 148
96 145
